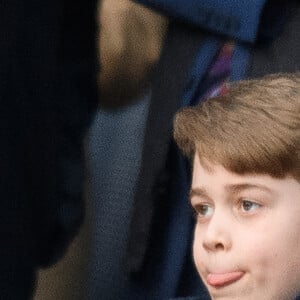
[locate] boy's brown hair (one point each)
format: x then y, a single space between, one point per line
254 128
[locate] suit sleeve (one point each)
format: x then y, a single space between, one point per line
235 19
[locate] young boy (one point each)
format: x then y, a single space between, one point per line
245 148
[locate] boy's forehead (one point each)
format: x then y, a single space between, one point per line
204 163
210 176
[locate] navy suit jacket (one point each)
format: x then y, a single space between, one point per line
212 22
237 20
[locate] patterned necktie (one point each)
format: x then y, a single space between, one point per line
216 81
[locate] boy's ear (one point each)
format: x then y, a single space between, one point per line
129 44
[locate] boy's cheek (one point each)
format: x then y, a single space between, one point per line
198 251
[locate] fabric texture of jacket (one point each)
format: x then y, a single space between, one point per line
48 96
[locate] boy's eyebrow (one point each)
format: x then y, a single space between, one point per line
231 188
200 192
236 188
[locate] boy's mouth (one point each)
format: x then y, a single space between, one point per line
222 279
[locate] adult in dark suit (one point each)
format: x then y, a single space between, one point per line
48 96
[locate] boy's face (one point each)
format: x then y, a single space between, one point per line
247 236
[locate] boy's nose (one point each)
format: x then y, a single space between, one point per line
217 236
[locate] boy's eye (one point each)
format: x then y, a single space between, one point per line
204 210
248 206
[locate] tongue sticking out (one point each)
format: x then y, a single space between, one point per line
224 278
